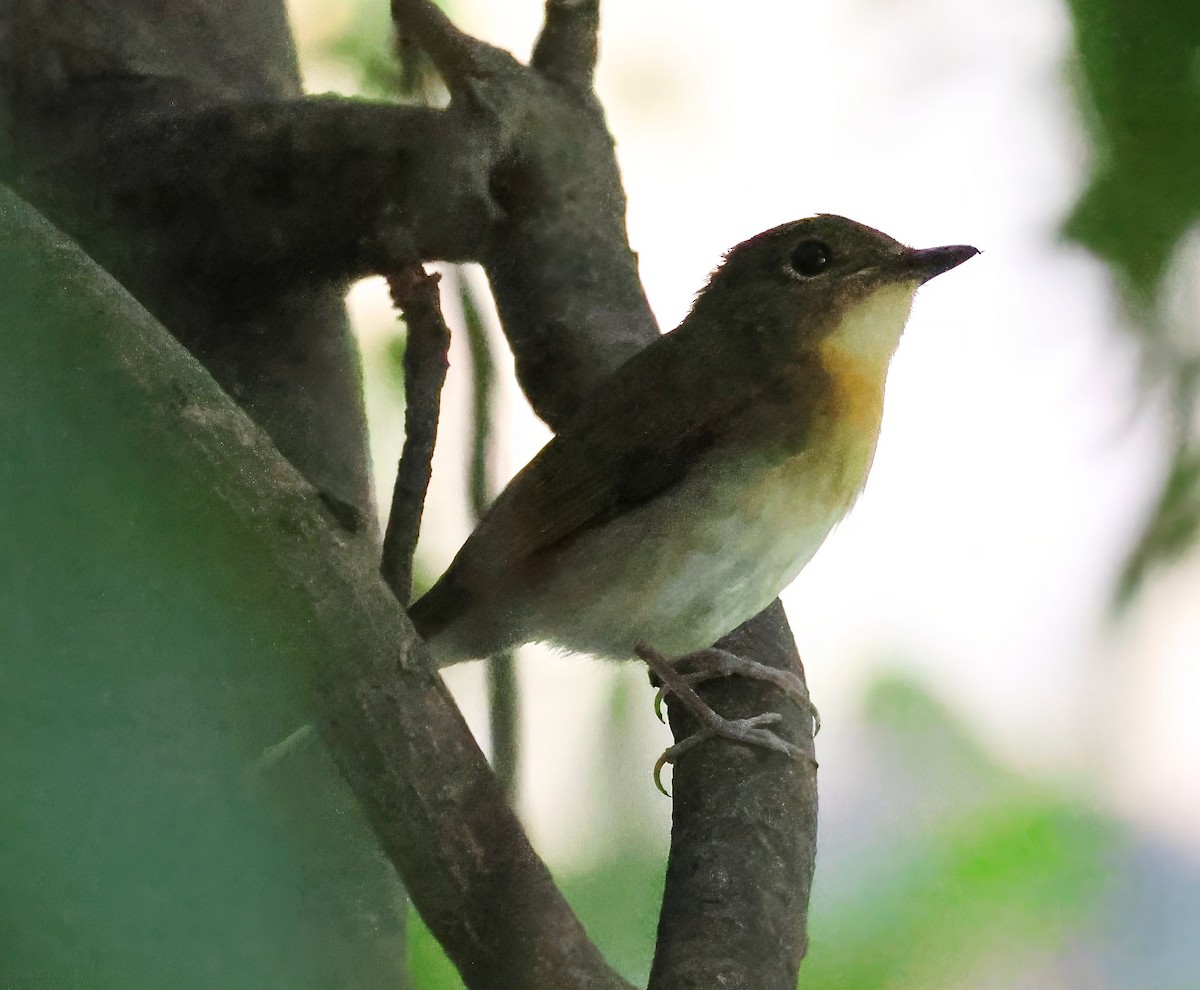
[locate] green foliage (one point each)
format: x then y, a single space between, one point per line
1012 864
428 967
617 896
1174 525
1141 80
1015 873
150 657
618 901
1139 77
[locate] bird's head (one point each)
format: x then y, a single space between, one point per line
824 281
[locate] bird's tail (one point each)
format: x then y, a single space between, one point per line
456 624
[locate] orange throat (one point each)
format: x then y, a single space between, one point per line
857 385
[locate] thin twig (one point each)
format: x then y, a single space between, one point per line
415 294
504 708
483 380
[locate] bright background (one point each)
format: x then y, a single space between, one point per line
1010 765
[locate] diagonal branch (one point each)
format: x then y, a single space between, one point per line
557 256
389 722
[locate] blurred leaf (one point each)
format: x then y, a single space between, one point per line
902 705
428 966
1005 863
618 902
1173 528
1140 76
617 896
1019 873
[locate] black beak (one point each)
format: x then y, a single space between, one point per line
925 263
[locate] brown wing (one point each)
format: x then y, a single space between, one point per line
625 447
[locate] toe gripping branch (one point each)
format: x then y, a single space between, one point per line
706 665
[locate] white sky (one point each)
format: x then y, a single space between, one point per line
1015 463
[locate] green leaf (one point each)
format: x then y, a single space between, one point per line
1140 80
1005 863
1173 527
1015 873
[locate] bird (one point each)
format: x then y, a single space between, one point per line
693 484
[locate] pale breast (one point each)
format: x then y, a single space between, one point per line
693 565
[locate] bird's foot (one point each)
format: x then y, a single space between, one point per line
705 665
745 730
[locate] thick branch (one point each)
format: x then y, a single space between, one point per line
263 194
565 281
743 839
390 724
564 278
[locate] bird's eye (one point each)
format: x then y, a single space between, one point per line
810 258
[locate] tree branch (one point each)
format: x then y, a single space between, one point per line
458 56
743 838
567 48
388 720
264 194
565 281
572 306
415 294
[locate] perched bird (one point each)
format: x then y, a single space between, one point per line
693 485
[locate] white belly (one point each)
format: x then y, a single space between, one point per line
688 568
